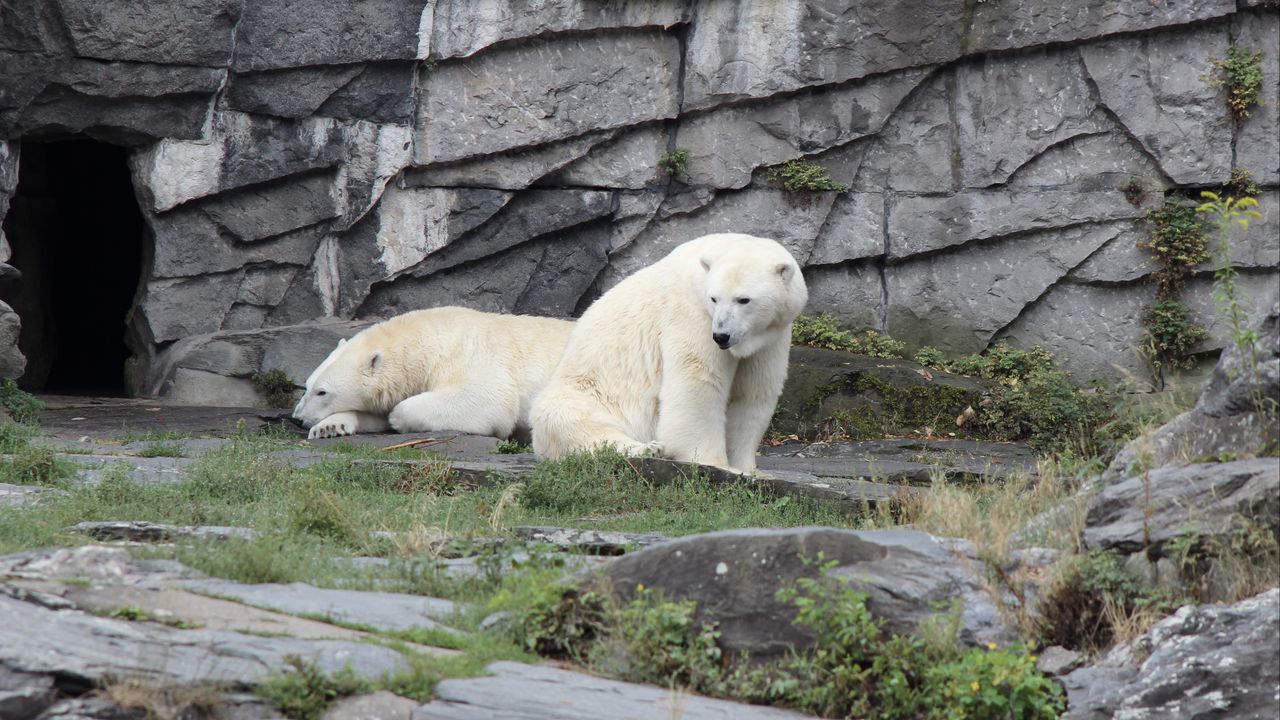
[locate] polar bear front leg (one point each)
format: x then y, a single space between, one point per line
347 423
756 386
475 409
691 412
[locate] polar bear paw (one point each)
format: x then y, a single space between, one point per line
642 449
334 426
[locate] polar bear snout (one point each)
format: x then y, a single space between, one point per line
721 339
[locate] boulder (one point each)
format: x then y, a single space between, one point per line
734 576
1203 661
533 692
1236 414
1206 501
833 392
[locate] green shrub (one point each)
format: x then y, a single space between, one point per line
275 386
22 405
1169 333
931 357
560 622
1179 242
823 331
1085 598
802 176
306 692
512 447
675 163
1004 364
662 644
33 465
1241 74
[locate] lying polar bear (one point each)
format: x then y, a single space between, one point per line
447 368
686 357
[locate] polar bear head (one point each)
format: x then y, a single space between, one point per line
344 382
754 290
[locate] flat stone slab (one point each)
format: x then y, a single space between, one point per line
384 611
902 461
594 542
381 705
533 692
93 469
18 495
71 643
149 532
73 418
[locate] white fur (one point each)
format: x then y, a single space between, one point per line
641 371
447 368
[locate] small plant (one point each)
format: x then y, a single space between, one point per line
161 448
21 405
1090 595
801 176
1240 184
1179 241
1230 211
663 645
305 692
1134 191
561 622
34 465
275 386
930 356
675 163
1241 74
1169 333
513 447
824 332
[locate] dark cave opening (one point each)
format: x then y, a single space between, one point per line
77 236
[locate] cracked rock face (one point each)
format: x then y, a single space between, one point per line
316 162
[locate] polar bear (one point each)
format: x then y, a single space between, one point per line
447 368
686 357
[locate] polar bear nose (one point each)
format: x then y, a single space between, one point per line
722 339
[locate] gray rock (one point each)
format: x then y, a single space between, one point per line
1057 660
12 361
853 230
375 92
737 52
727 145
187 32
381 705
1098 327
958 300
1200 662
853 293
903 461
13 496
462 28
1209 501
121 103
1153 86
533 692
926 223
143 531
1258 138
320 32
1108 160
996 26
512 170
177 308
1030 101
1227 417
261 212
627 160
734 575
914 152
93 469
543 91
823 384
74 644
188 243
594 542
384 611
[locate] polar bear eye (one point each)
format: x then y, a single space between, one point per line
743 301
714 301
321 392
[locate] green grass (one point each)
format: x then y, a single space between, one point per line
311 519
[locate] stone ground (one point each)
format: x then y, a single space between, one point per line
86 600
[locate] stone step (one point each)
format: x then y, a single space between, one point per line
532 692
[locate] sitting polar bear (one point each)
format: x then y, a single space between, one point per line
447 368
686 357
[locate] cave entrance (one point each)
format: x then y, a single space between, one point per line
77 236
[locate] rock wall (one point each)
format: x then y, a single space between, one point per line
344 160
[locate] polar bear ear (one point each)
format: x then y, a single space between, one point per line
374 360
342 341
706 263
785 271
